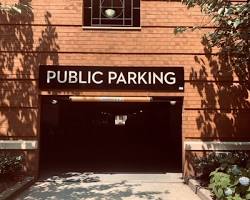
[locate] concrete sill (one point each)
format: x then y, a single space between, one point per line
203 193
16 189
111 28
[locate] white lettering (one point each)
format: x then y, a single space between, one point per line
141 77
72 77
131 77
149 78
111 76
121 79
170 78
50 75
59 78
81 78
89 77
94 77
159 78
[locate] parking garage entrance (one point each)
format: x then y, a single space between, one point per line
111 136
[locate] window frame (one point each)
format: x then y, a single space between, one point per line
103 27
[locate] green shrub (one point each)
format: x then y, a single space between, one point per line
227 174
10 164
205 165
231 182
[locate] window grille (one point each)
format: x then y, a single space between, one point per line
112 13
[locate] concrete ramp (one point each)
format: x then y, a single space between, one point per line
90 186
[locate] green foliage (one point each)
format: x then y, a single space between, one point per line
18 8
222 182
10 164
231 182
219 182
227 174
231 32
179 30
205 165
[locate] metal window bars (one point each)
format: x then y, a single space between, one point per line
112 13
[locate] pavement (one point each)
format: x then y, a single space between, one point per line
91 186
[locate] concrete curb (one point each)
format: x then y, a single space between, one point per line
17 188
203 193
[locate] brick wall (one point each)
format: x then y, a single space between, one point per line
53 34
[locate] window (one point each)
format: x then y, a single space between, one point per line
111 13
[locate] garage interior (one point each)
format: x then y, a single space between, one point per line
137 137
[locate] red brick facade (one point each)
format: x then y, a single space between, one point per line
53 34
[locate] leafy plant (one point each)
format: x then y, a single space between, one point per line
207 164
219 182
20 7
231 183
231 22
10 164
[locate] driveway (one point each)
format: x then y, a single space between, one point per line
90 186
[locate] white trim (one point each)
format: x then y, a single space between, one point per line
19 144
109 99
215 145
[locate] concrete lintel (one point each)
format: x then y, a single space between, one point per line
19 144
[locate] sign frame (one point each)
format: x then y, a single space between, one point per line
107 78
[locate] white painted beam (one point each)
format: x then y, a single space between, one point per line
19 144
109 99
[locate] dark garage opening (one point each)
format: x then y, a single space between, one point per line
111 136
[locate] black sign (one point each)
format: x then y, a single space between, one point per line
169 79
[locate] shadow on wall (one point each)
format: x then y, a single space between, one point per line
225 106
22 50
225 102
